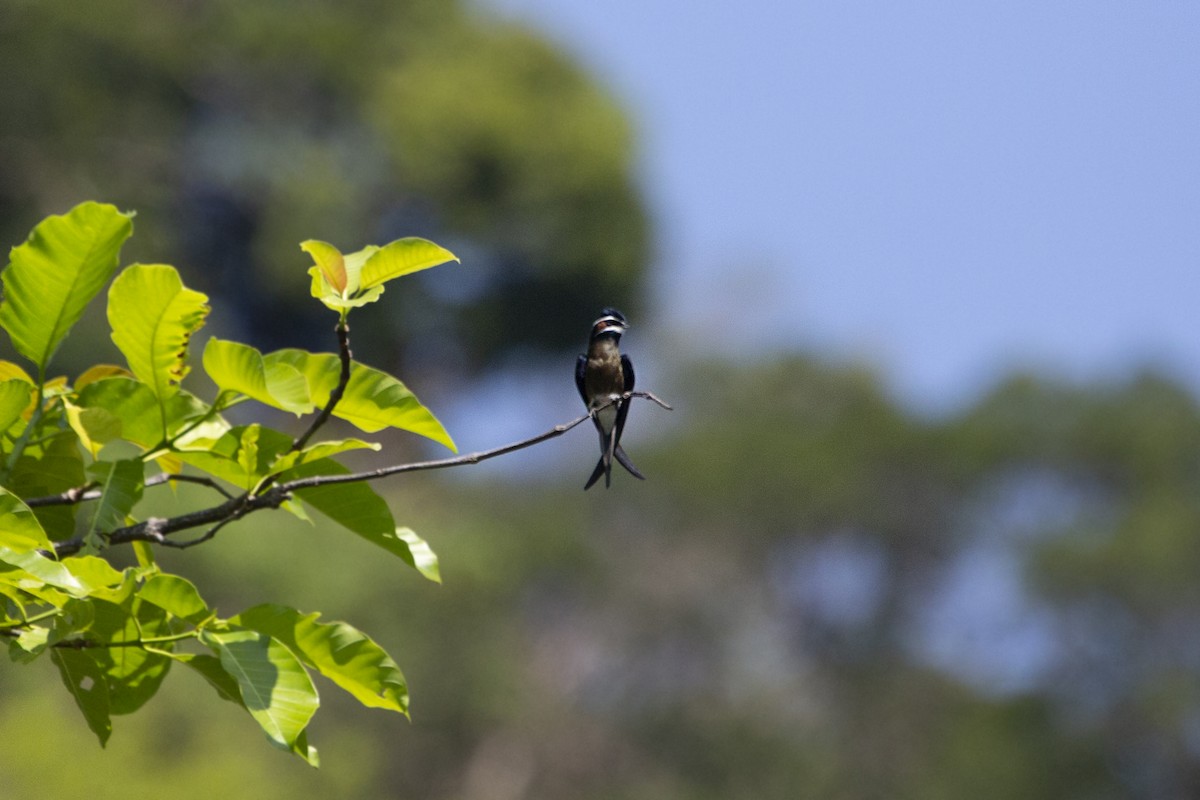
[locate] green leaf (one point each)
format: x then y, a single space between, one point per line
177 596
275 687
125 408
209 668
133 673
45 570
423 557
101 579
84 679
243 455
338 651
15 396
47 468
358 508
20 530
30 644
320 450
330 263
240 368
56 273
401 257
121 485
373 400
153 316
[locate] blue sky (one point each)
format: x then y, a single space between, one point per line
944 190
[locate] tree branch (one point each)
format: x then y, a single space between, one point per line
343 332
88 492
156 529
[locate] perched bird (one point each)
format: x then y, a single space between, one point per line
603 376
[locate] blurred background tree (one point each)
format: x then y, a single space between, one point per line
816 593
238 130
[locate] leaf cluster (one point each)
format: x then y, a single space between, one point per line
78 454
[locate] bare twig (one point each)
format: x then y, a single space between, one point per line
88 491
157 529
76 494
343 332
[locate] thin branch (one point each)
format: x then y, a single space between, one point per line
88 491
156 529
76 494
343 332
210 533
457 461
179 477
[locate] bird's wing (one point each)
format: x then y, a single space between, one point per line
580 368
623 408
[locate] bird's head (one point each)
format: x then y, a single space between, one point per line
610 323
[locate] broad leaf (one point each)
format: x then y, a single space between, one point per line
320 450
338 651
132 672
423 557
240 368
243 455
330 263
99 372
402 257
209 668
15 397
48 468
84 679
9 370
336 278
373 400
54 275
275 687
20 530
45 570
121 485
125 408
358 508
103 581
153 316
177 596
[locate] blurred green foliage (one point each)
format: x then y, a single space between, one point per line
772 614
753 620
239 129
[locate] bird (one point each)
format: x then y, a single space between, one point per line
603 376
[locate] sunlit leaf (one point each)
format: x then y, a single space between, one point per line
330 263
126 408
275 687
243 455
54 275
423 557
9 370
320 450
120 484
45 570
373 400
402 257
15 397
99 372
177 596
153 316
20 530
338 651
240 368
103 581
